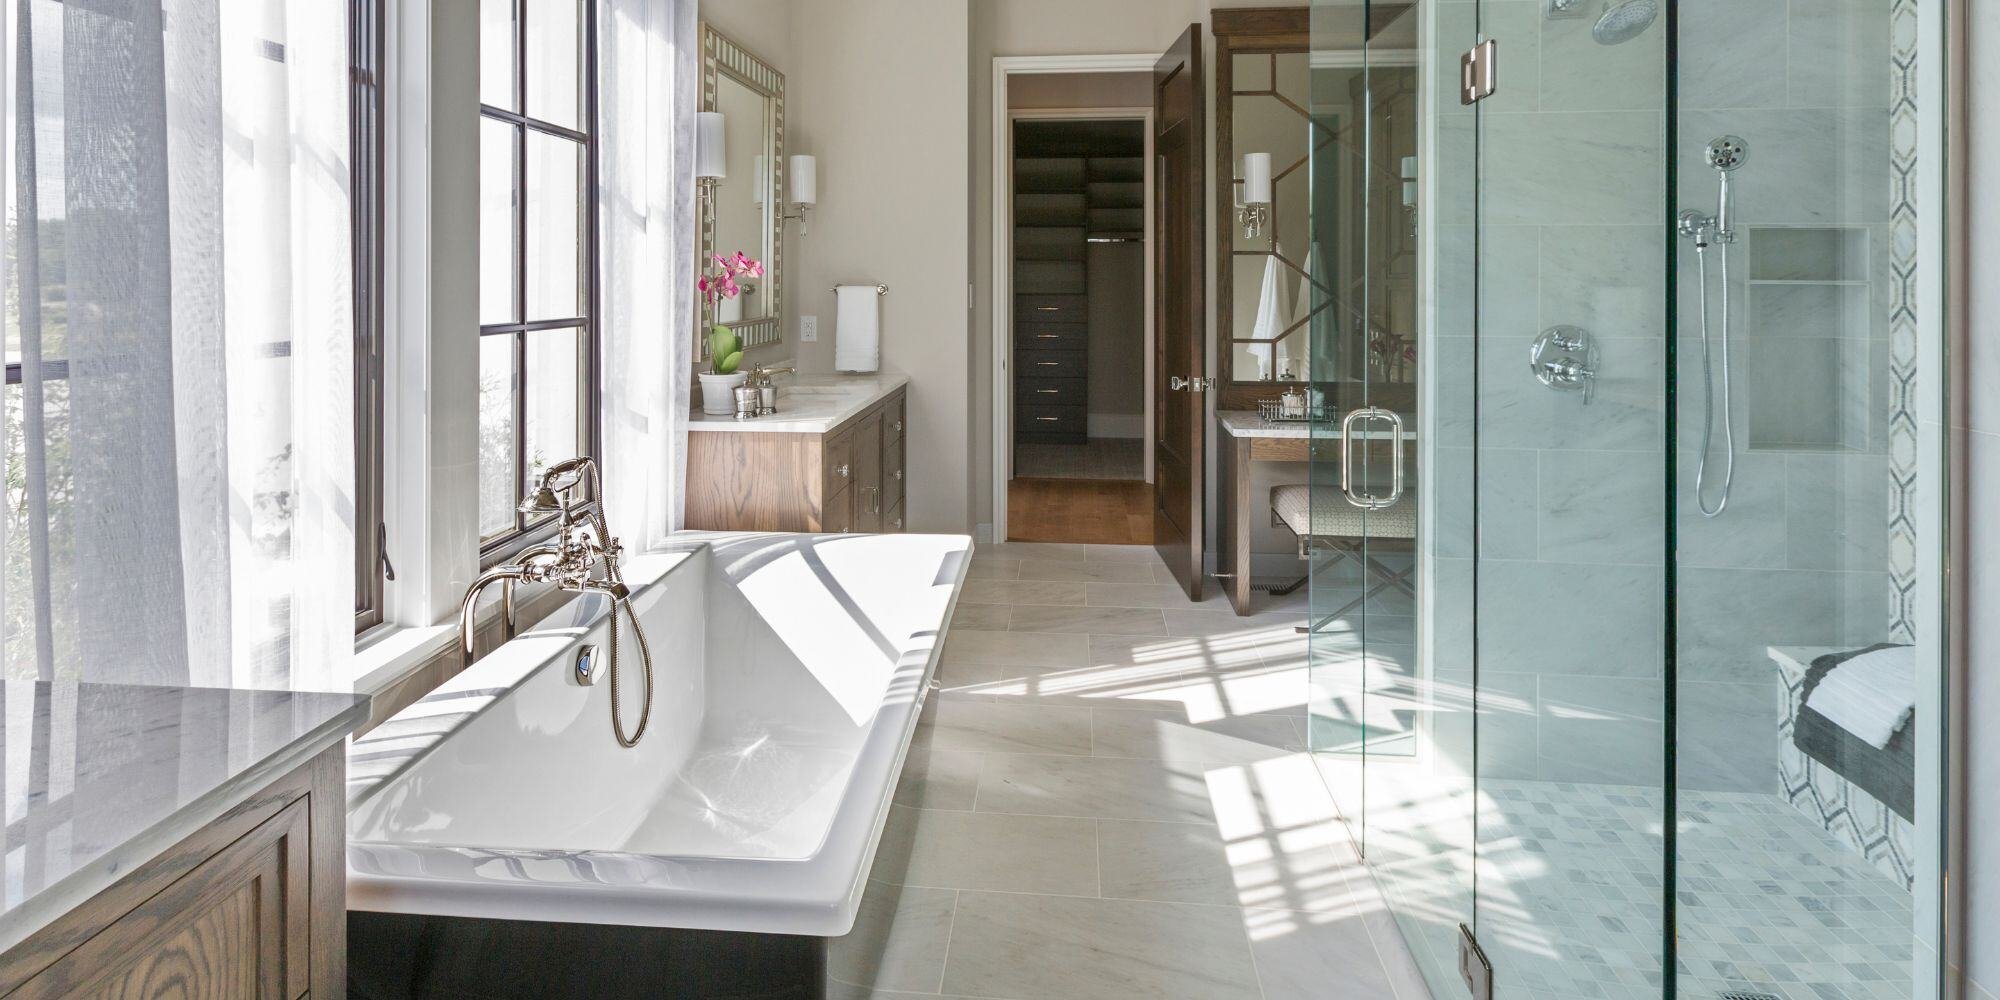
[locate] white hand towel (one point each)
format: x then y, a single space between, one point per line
857 333
1273 316
1871 695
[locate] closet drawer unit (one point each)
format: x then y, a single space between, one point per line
1055 421
1051 364
1031 391
1052 337
1051 309
1049 277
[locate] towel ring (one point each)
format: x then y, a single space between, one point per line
879 289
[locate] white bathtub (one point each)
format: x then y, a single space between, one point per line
789 671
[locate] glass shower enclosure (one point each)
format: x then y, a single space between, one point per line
1627 668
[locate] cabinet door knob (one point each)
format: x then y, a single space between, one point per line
899 524
841 471
899 475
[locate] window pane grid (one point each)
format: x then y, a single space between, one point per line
550 265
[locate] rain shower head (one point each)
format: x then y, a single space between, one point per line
1623 20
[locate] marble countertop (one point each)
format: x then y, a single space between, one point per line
100 778
1248 424
810 404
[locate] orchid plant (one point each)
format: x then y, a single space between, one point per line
725 349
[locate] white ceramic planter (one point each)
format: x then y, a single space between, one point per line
718 397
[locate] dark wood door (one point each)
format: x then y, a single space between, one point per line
1179 371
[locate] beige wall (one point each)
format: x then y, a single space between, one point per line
1080 90
878 90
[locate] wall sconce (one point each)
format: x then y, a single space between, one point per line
803 186
711 155
1255 211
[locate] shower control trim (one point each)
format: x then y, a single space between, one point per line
1564 358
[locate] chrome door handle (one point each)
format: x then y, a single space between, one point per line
1355 418
1176 383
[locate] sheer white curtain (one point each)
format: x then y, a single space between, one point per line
178 418
648 82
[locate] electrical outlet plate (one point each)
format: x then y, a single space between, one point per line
809 329
1473 966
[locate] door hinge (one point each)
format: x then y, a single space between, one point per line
1478 72
1473 966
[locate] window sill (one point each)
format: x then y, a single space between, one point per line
386 655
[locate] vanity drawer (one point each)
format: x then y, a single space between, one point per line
837 465
894 413
1052 337
892 474
1064 421
1050 364
1051 308
1029 390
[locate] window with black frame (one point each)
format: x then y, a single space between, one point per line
536 292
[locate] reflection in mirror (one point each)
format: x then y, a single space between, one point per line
744 212
744 202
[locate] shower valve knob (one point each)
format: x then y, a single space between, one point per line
1565 359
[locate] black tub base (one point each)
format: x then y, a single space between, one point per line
400 956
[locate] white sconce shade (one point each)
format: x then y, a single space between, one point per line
1256 178
711 156
804 177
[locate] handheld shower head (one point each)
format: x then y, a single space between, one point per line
1726 153
1624 20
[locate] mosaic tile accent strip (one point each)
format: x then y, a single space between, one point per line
1840 807
1903 339
1768 902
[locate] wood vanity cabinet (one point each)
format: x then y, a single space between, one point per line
848 479
251 906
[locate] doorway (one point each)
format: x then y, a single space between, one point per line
1074 345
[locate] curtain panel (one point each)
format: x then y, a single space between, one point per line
649 65
178 417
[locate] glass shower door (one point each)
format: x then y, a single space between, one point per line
1390 711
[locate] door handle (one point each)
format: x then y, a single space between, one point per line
1176 383
1355 418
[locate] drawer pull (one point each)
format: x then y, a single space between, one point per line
1048 309
1049 420
1048 336
1049 392
1048 364
840 471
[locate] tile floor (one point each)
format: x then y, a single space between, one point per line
1108 798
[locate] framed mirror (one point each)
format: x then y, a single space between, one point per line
744 210
1283 115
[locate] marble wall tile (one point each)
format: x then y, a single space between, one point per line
1601 507
1728 737
1550 169
1729 616
1609 280
1841 54
1837 511
1625 413
1716 71
1751 530
1570 618
1579 74
1603 729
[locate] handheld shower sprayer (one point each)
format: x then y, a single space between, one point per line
1725 155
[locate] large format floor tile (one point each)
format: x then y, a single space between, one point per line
1109 798
1057 948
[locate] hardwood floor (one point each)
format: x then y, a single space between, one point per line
1102 512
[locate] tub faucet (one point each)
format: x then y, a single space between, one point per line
582 545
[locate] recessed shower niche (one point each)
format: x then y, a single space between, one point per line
1812 339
